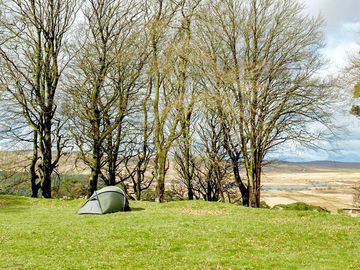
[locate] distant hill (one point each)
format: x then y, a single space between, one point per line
19 161
311 166
331 164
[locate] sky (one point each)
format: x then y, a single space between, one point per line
342 36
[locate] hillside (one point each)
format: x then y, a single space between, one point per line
18 160
47 234
311 166
323 183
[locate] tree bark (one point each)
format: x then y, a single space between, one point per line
160 176
187 160
95 170
47 160
243 189
251 183
258 184
137 186
34 176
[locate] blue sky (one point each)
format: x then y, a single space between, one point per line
342 34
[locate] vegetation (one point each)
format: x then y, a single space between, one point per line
265 100
353 72
355 110
357 91
39 234
300 206
129 84
67 186
32 57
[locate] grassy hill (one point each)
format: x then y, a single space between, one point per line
47 234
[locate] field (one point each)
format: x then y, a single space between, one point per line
326 184
47 234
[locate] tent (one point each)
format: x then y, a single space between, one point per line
106 200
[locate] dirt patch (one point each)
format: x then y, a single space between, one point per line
200 212
4 203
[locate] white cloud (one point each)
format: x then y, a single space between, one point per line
342 29
353 27
338 53
336 12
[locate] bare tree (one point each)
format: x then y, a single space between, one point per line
34 56
266 68
213 50
126 80
168 96
186 75
353 76
212 166
145 151
104 86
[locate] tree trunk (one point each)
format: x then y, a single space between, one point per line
243 189
251 186
221 193
112 173
93 182
258 184
95 170
111 177
137 187
187 162
47 160
208 191
34 177
139 177
160 170
113 149
190 192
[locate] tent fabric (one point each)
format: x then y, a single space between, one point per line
106 200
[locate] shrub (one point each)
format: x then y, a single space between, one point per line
357 90
300 206
149 195
355 110
263 204
71 186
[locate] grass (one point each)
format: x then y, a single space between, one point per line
47 234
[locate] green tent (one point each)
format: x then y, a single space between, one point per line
106 200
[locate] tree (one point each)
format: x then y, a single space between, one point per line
145 150
355 76
265 67
216 18
125 78
168 95
104 86
186 75
212 166
34 55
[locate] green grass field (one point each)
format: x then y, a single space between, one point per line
47 234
